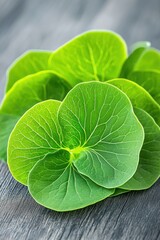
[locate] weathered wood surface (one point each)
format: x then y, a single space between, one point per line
31 24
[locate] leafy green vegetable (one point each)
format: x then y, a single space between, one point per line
88 143
94 55
24 94
139 97
29 63
34 62
150 80
85 142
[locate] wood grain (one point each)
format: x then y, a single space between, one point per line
34 24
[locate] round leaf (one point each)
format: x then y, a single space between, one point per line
101 133
101 120
95 55
36 134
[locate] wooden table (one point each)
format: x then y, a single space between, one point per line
39 24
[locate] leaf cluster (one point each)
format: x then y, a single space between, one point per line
82 123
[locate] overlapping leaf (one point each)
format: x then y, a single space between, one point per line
150 80
86 146
24 94
34 64
29 63
89 146
131 61
139 97
148 170
59 186
141 59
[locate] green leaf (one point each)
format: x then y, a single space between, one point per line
150 80
141 59
83 143
90 144
139 97
150 60
56 184
141 44
100 132
36 135
29 63
118 192
99 123
7 123
131 62
94 55
24 94
148 170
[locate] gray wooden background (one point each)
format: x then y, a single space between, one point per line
46 24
